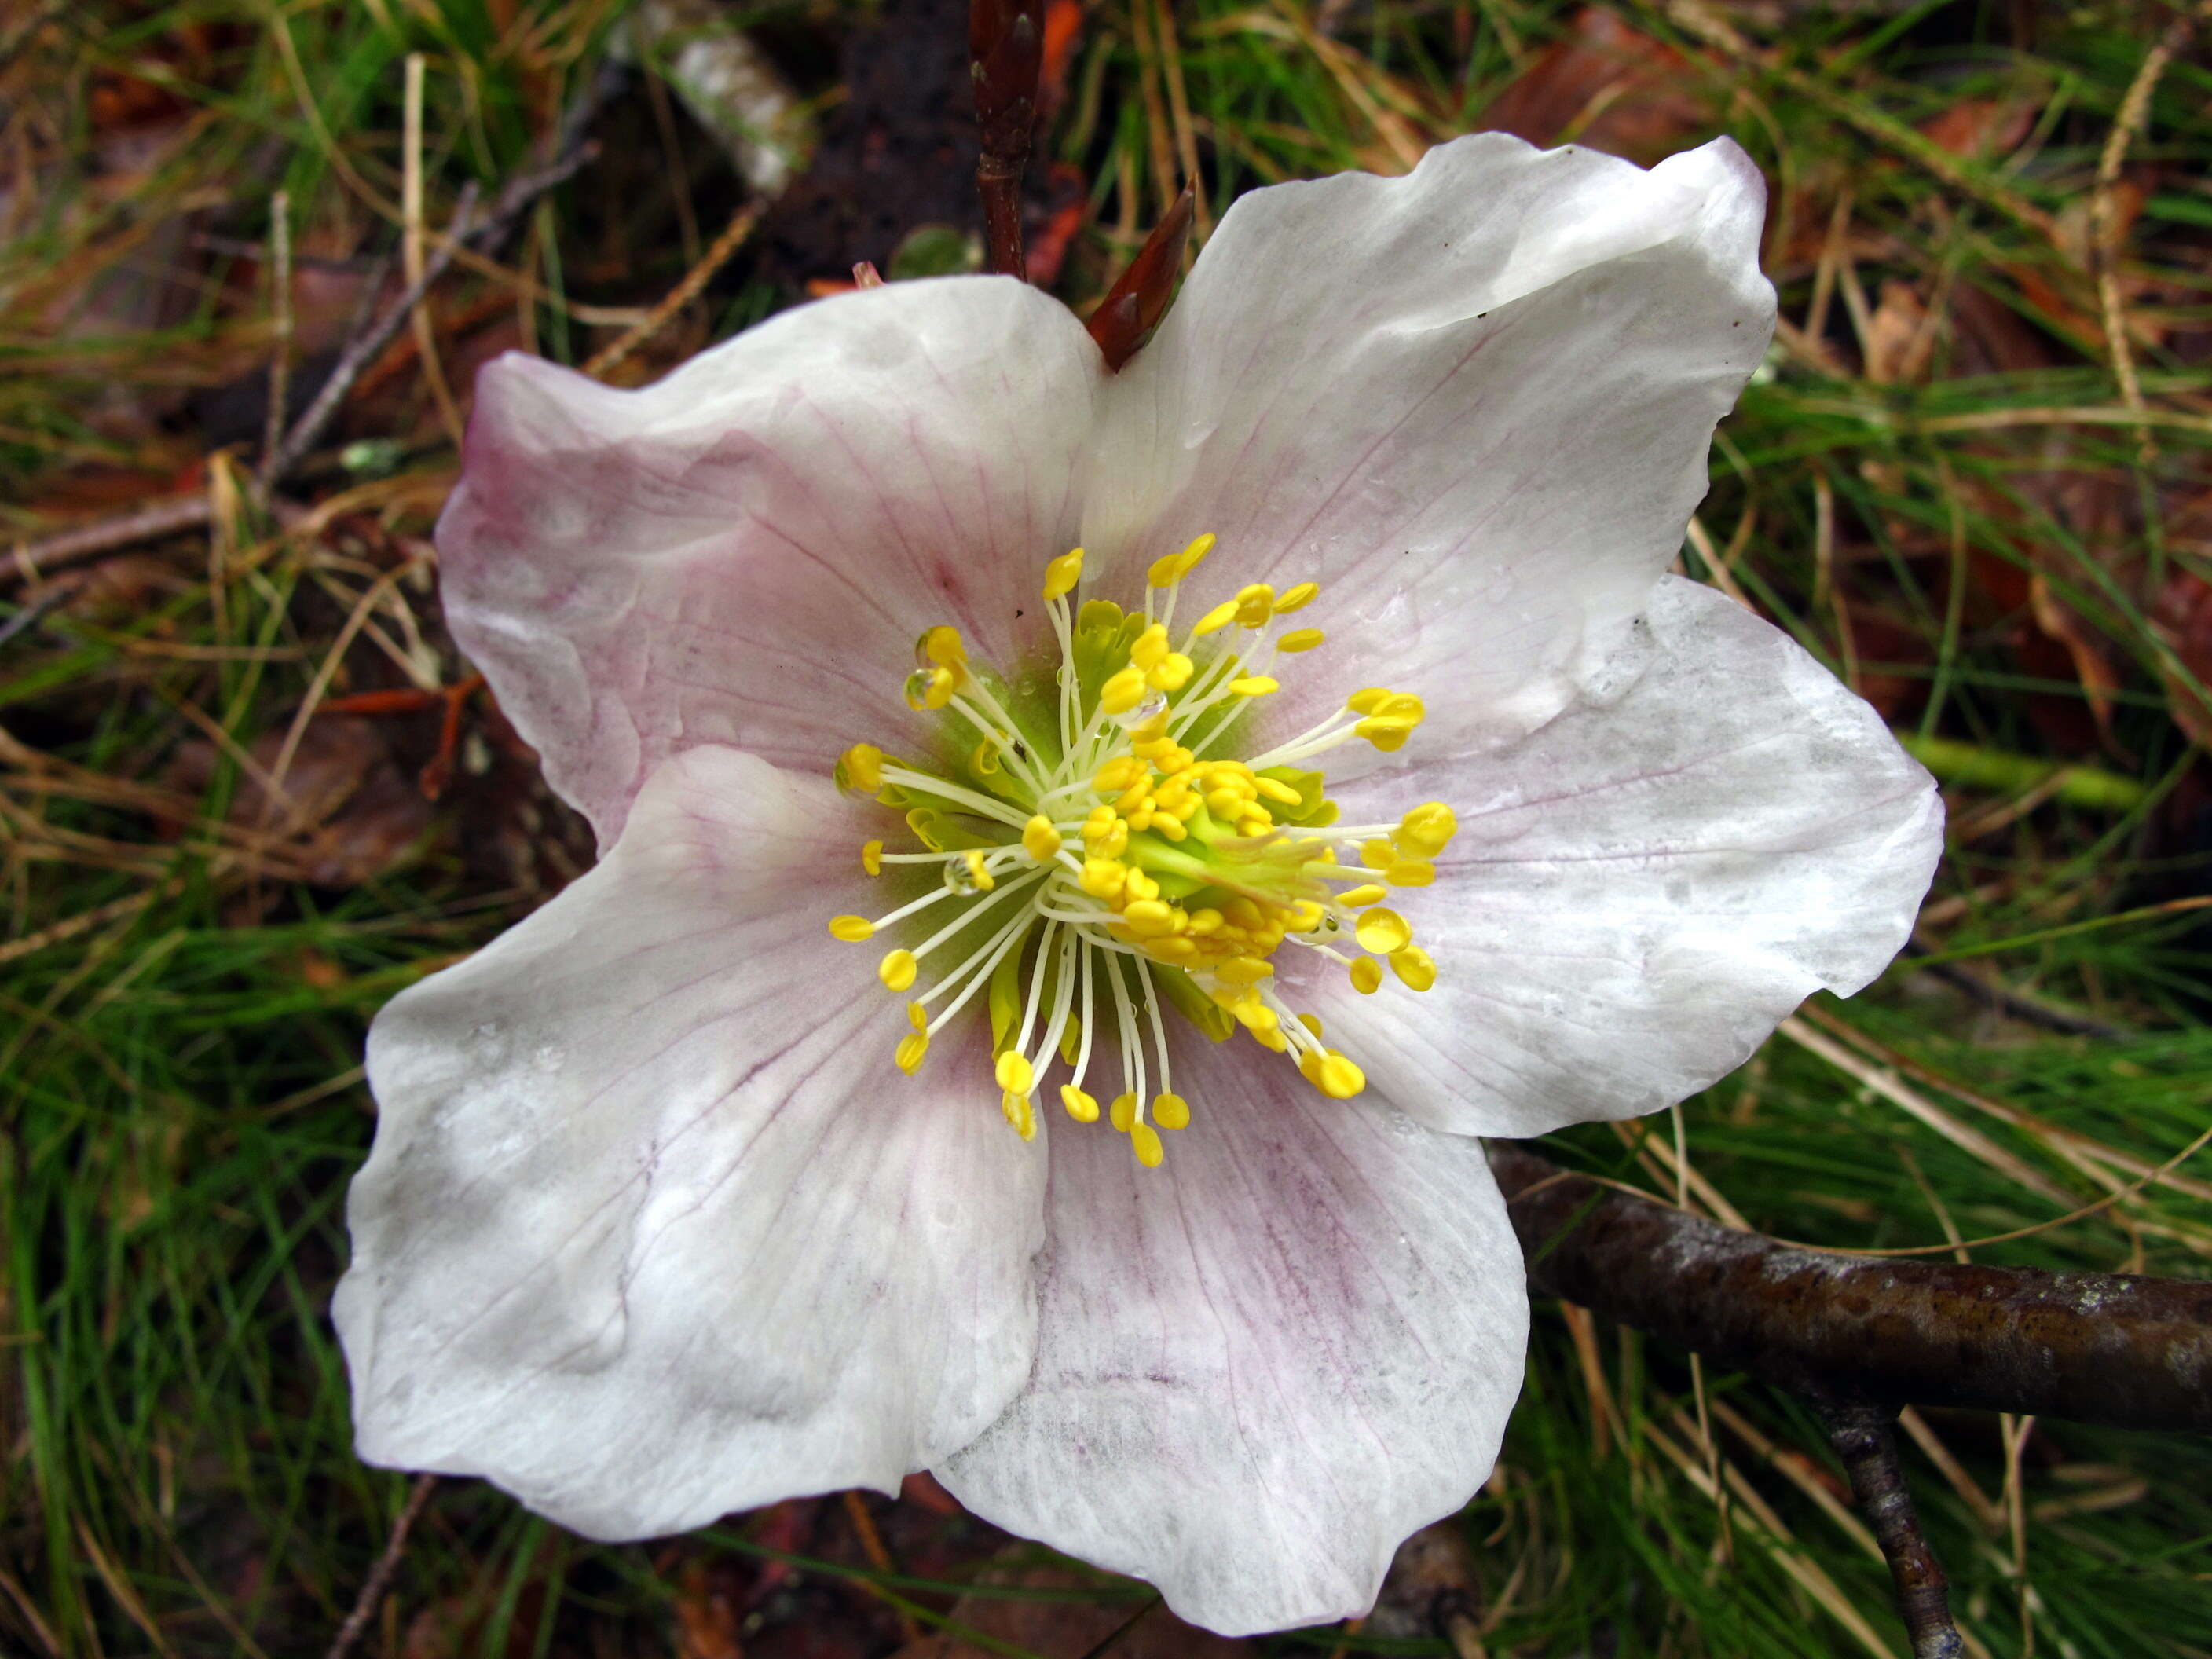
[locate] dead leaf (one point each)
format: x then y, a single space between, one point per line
2183 618
1069 1630
1984 128
1900 338
346 811
1609 87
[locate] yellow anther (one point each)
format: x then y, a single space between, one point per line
1216 619
1388 735
1255 604
1118 775
861 768
1415 966
1150 648
1103 879
1015 1074
1204 921
1300 639
1040 840
898 969
1427 830
1411 873
1367 700
1297 597
1367 976
1149 918
1145 1141
1082 1107
1312 1023
1122 1113
985 760
1339 1078
1138 886
1172 673
1244 970
1171 1111
930 689
1254 685
1122 691
1382 931
1017 1110
911 1051
940 646
1174 949
977 872
1305 916
872 857
1276 790
1062 575
1273 1042
1359 897
918 1017
851 929
1378 853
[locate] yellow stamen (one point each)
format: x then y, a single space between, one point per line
1367 976
1122 691
911 1051
1145 1141
1358 898
1297 597
1082 1107
1171 1111
1415 966
861 768
872 857
1411 873
1040 840
1122 1113
1015 1074
1062 575
1383 932
1254 685
898 969
1299 638
851 929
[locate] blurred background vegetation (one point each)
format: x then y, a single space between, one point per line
248 789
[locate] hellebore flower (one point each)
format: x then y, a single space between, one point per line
1305 766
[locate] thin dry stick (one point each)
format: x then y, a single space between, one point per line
731 238
2104 217
34 559
387 1564
879 1555
410 244
1862 1439
280 316
307 430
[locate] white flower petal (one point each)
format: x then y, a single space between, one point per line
1643 889
744 552
653 1228
1263 1364
1473 403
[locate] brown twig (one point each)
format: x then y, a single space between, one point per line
1132 308
733 238
33 561
1861 1438
1006 53
387 1567
2116 1348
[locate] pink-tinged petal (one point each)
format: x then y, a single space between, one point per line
653 1228
744 552
1643 889
1263 1364
1473 403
